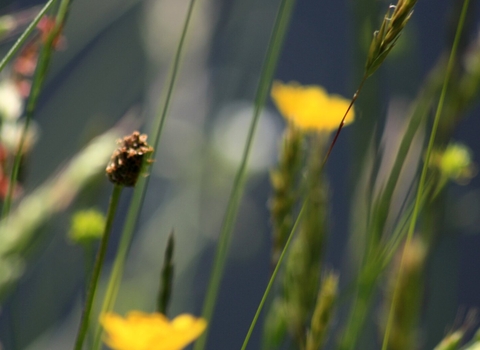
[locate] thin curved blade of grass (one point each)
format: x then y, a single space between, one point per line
273 276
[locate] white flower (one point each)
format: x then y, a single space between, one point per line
11 131
11 102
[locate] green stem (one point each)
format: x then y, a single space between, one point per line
273 276
89 256
268 69
423 176
40 74
83 328
16 168
141 186
342 122
21 40
162 116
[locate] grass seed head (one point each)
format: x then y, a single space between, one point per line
385 38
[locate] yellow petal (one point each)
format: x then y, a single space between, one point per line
141 331
186 329
310 107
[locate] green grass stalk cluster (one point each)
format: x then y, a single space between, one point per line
423 176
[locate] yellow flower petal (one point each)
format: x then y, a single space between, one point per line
310 107
141 331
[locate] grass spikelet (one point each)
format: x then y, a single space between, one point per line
405 314
283 180
322 315
385 38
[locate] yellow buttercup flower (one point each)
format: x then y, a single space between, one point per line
141 331
310 107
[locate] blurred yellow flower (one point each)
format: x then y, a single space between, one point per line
141 331
310 107
455 163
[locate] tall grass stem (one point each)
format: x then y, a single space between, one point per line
273 276
112 208
268 69
342 122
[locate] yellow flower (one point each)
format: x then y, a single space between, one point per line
310 107
141 331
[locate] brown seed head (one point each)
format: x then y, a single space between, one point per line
126 162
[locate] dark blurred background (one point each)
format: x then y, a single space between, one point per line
115 62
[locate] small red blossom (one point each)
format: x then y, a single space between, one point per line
46 26
27 60
23 87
